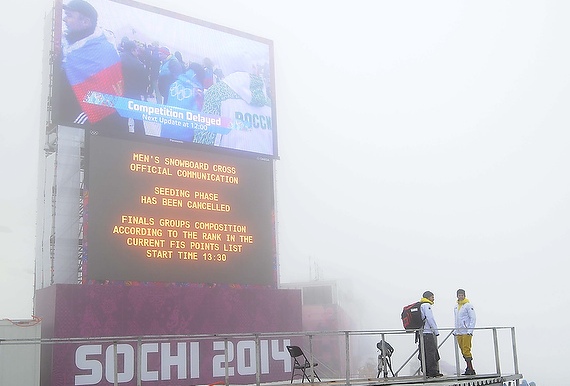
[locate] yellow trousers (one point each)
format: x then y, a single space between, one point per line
464 342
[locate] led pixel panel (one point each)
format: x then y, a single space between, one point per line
122 67
159 213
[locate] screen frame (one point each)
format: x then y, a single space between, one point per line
56 103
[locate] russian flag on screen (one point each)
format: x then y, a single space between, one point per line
93 64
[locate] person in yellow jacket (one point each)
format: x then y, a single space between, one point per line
465 320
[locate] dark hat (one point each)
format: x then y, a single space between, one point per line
83 8
427 294
129 45
461 291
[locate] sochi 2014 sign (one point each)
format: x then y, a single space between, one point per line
160 363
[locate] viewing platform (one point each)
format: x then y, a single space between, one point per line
341 357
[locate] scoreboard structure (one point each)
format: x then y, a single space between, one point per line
160 150
159 193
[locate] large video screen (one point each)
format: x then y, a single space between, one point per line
163 213
123 68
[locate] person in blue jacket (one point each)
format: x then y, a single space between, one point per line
185 92
169 70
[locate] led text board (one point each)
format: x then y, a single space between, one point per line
159 213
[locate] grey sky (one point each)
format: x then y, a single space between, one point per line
423 146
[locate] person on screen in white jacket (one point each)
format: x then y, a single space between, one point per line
242 97
465 320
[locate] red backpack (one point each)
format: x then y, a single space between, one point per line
412 317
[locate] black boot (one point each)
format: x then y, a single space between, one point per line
469 370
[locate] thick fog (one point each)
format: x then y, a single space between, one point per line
423 145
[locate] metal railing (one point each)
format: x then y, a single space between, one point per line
352 353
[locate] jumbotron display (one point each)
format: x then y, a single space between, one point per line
158 213
123 68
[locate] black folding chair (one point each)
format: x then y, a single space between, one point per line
384 358
300 362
